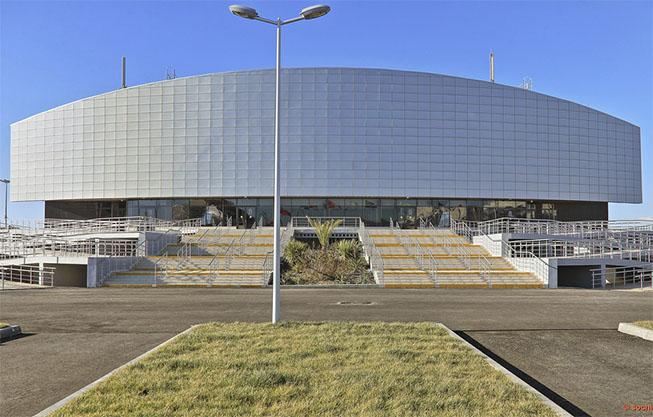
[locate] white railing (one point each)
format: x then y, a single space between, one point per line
585 248
27 274
424 258
581 229
191 247
49 246
231 251
286 235
626 276
373 254
108 265
161 267
522 259
268 266
483 264
66 227
353 222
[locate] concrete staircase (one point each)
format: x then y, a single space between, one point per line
457 263
212 257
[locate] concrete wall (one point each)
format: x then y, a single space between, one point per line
98 267
345 132
69 275
576 276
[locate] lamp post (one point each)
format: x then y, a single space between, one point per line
6 181
308 13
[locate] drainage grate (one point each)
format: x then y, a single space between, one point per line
356 303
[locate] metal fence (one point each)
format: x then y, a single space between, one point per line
622 277
27 274
67 227
583 248
554 227
354 222
19 247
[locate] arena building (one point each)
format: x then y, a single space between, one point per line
369 143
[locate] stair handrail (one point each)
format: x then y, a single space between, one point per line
373 254
267 268
164 267
542 267
185 252
409 241
108 265
483 264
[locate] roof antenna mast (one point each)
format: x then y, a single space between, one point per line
124 72
491 66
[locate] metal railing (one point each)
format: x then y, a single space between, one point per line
66 227
373 254
268 266
424 258
517 257
624 277
229 254
108 265
585 248
483 264
49 246
353 222
161 265
27 274
189 247
581 229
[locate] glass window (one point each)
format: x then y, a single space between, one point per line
180 210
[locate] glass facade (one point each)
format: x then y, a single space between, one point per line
373 211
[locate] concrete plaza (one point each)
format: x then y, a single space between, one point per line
562 341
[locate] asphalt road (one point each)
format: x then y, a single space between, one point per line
562 341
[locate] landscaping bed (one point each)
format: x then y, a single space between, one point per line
329 263
310 369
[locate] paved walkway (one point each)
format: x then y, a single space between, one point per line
565 340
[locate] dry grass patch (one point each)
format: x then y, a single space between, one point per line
310 369
647 324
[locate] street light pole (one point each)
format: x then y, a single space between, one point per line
308 13
6 181
276 270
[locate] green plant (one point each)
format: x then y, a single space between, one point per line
324 230
294 252
348 249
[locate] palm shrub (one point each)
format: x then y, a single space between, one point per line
294 253
324 230
348 249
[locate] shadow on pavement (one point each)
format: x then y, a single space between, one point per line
546 391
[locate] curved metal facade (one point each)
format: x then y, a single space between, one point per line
345 132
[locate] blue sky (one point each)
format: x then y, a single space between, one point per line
594 53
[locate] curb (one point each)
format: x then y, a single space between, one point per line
326 286
10 332
546 400
634 330
54 407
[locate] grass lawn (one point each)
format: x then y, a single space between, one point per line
647 324
310 369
